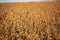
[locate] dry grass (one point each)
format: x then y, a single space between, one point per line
30 21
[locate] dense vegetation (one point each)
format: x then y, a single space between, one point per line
30 21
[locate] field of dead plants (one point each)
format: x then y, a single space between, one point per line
30 21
